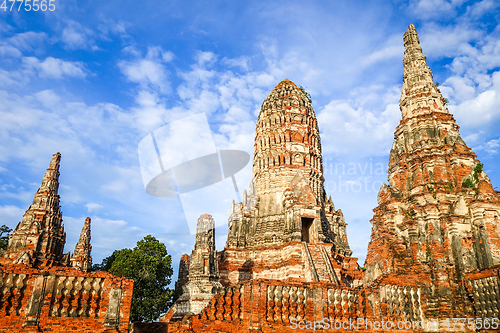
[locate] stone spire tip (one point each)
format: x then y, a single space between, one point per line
55 161
410 37
285 81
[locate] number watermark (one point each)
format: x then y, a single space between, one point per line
28 5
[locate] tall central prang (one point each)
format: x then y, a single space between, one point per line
285 228
286 201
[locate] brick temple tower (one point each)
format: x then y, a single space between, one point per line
285 228
434 252
199 279
44 290
82 258
438 217
39 238
286 201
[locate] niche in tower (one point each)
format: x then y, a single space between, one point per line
306 228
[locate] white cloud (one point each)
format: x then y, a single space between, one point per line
93 207
478 9
242 62
481 110
12 79
9 51
36 126
491 147
107 235
389 51
10 211
205 58
26 41
151 112
55 68
345 125
148 72
110 26
435 8
48 98
20 194
145 72
75 36
121 180
448 41
473 88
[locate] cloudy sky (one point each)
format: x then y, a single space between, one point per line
92 79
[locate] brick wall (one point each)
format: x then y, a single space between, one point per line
63 300
271 306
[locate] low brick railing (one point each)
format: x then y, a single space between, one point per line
63 300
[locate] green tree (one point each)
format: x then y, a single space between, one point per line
149 265
106 263
4 236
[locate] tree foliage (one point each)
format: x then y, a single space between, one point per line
106 263
149 265
4 236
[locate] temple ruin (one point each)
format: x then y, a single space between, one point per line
43 289
434 252
433 256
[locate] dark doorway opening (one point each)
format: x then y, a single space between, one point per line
306 228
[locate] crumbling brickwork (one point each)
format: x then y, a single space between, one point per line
434 249
62 300
38 240
203 274
285 228
81 257
438 217
43 290
286 201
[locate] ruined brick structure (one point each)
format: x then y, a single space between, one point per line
81 257
38 240
202 278
438 217
42 289
434 249
285 228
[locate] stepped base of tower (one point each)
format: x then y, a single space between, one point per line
291 262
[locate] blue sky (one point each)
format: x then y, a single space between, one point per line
91 79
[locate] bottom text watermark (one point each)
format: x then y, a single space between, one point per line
362 323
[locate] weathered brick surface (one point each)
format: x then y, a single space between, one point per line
434 252
81 257
38 240
285 228
40 291
438 218
138 327
286 201
203 275
271 306
62 300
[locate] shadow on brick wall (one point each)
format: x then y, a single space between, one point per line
139 327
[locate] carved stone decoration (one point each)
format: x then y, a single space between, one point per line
113 315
